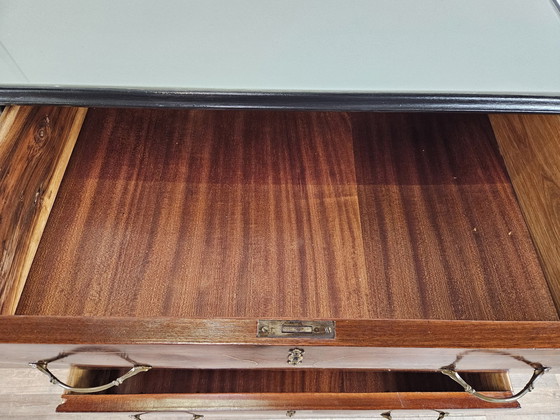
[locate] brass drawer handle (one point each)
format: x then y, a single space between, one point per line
194 416
442 414
538 371
42 366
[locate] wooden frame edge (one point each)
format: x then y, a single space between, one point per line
279 401
350 333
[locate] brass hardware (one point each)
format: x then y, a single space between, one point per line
442 414
295 356
296 329
290 413
42 366
538 371
194 416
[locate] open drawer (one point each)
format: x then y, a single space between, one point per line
376 241
329 392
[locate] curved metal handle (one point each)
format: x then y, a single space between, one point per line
194 416
442 414
538 371
42 366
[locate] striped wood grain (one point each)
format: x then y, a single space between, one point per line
530 145
287 214
442 230
35 145
208 381
26 393
206 214
279 401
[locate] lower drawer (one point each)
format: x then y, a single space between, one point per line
214 392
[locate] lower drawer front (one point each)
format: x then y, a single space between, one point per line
183 414
304 391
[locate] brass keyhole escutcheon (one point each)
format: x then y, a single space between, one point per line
295 356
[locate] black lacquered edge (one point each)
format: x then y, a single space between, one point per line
326 101
556 3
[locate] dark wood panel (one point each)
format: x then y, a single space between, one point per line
280 401
35 145
530 145
444 236
225 381
278 214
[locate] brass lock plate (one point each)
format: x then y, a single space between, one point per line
296 329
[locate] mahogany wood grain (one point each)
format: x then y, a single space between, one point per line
205 214
35 145
286 214
240 384
225 381
443 233
353 333
382 344
278 401
530 145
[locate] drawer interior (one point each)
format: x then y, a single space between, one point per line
301 389
202 214
226 381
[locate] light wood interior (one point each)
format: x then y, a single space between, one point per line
530 145
287 214
35 145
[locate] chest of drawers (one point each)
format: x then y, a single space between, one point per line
377 241
273 233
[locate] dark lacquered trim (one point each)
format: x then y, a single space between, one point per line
556 3
335 101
